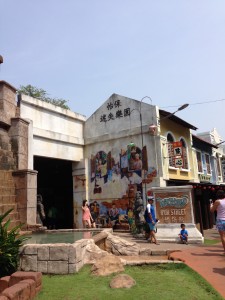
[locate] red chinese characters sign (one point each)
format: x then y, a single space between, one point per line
175 150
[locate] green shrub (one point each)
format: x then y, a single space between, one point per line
10 242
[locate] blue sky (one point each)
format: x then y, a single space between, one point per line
85 50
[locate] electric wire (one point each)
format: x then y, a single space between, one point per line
197 103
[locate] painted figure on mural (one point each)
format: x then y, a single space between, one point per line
94 209
124 163
135 159
137 164
113 215
101 172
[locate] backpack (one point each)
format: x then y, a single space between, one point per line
146 214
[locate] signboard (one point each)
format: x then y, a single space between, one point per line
114 112
175 150
178 162
204 178
173 207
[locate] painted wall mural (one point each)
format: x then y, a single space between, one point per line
116 180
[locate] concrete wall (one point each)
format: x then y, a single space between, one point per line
56 132
178 131
108 132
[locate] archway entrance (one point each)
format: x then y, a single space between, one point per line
55 184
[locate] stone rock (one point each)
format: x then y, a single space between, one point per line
122 281
119 246
93 253
107 265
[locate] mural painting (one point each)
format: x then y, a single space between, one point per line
116 186
173 207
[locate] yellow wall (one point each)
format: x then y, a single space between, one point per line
178 131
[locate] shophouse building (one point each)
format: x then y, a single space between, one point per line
121 154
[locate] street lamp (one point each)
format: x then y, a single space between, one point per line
153 127
179 109
220 143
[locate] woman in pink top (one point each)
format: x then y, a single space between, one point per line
219 206
86 217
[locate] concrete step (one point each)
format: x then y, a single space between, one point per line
145 260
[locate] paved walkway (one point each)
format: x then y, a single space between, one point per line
208 261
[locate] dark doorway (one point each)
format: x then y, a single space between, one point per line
54 183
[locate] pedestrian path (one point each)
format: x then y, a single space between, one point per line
208 261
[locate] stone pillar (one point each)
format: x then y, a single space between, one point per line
26 195
79 192
7 159
19 139
7 102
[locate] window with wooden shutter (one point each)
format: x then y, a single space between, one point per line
199 161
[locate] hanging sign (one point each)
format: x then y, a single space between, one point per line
177 148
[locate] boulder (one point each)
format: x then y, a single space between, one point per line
93 253
119 246
122 281
107 265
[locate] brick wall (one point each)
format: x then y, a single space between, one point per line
20 285
8 196
17 183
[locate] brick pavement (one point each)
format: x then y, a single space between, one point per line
208 261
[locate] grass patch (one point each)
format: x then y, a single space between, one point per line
211 242
159 281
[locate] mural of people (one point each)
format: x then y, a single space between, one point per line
124 163
119 177
131 149
134 159
114 215
137 164
94 209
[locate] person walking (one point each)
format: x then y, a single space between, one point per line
86 217
219 206
151 220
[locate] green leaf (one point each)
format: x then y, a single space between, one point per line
10 242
